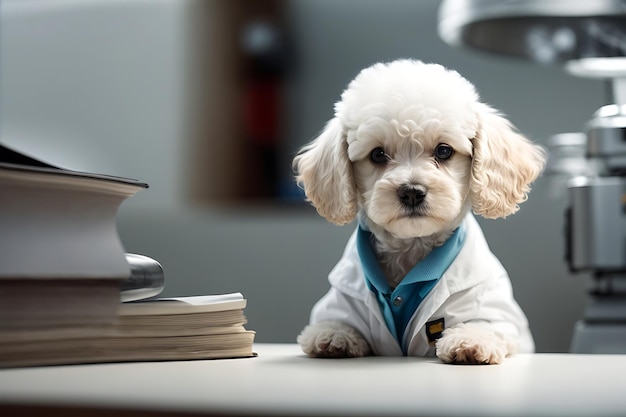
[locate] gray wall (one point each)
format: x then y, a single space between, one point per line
112 101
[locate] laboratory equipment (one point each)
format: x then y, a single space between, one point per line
588 39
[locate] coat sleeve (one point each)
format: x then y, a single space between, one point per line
337 306
345 300
492 303
349 301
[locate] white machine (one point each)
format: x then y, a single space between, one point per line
588 38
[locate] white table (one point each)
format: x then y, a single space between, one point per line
282 381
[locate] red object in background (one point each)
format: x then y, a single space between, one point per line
267 61
262 111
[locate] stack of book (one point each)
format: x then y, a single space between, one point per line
64 274
204 327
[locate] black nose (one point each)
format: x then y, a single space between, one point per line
411 196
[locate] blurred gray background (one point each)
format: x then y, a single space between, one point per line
150 90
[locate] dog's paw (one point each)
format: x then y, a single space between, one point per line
332 339
472 344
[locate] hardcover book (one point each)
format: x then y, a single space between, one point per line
61 259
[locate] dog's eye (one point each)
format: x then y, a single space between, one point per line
443 151
378 156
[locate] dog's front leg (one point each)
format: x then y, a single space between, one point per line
332 339
473 343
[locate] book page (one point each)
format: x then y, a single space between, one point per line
184 305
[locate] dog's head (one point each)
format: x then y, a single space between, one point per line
414 148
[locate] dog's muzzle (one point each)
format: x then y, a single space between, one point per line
411 196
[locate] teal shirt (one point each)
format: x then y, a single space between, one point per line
398 305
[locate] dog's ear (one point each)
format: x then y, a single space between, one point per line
504 164
324 171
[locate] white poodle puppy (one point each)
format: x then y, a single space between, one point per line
410 152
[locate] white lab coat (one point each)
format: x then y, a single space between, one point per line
475 287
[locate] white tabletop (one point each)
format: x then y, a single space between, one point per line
282 381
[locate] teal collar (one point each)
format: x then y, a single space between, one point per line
398 305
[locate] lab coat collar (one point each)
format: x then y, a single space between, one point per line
463 273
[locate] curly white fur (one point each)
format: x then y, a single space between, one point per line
332 339
408 109
475 344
